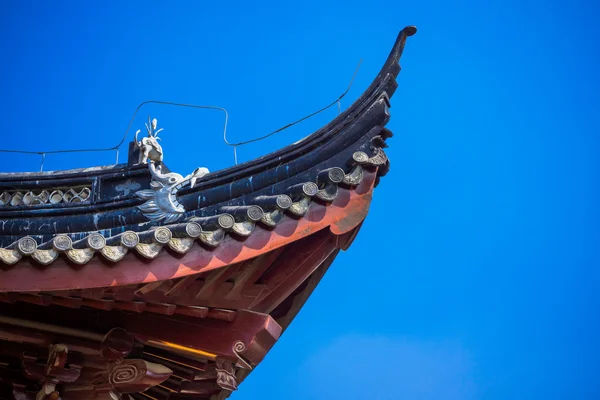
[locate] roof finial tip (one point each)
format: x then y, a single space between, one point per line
410 30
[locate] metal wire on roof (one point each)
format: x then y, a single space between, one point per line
207 107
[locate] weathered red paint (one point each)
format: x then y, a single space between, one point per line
343 215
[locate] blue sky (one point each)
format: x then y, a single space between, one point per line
475 275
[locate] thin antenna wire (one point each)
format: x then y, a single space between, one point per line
168 103
336 101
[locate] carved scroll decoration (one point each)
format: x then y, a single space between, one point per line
127 372
238 348
132 375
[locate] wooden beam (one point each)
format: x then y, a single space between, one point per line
161 308
70 302
300 298
135 306
101 304
179 285
253 269
200 388
149 287
248 337
223 315
11 333
39 299
256 332
284 317
213 281
301 259
192 311
188 362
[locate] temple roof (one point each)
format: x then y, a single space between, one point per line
133 281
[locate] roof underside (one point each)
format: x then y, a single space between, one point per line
165 324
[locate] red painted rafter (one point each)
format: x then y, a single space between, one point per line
301 259
297 302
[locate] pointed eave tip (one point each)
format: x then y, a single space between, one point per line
410 30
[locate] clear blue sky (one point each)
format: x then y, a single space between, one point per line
477 272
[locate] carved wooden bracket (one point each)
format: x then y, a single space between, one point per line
226 375
132 376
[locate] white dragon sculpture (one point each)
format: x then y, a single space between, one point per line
149 147
161 200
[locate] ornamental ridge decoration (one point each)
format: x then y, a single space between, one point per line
15 198
161 200
239 221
